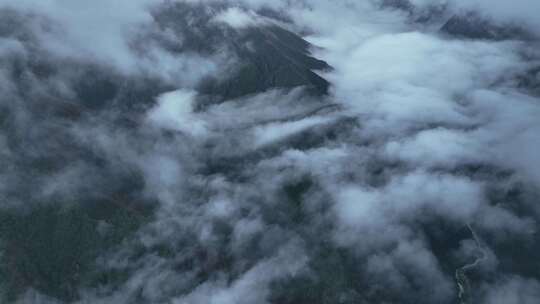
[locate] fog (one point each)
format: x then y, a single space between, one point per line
415 175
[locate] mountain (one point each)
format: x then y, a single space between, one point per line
199 155
268 55
272 58
473 26
51 244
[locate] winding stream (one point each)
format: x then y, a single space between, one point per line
461 273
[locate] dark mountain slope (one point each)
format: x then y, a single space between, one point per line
267 55
472 26
272 58
49 242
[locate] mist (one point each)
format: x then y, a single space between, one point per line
260 151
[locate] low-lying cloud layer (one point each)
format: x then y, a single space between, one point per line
123 179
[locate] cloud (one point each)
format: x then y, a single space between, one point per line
367 194
517 12
81 30
437 148
513 290
253 285
114 34
273 132
175 111
237 18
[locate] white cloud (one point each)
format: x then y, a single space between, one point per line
518 11
99 30
174 110
237 18
268 134
415 109
438 148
